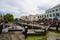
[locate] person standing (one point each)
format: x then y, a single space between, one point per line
6 24
25 31
57 25
1 27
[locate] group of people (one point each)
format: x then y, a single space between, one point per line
3 25
57 25
50 22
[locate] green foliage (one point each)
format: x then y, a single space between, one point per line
16 19
9 17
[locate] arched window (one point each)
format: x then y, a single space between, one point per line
50 15
56 9
53 14
57 14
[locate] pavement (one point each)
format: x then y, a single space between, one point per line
12 36
16 35
53 36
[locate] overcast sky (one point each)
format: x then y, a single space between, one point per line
26 7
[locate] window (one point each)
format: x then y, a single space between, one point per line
56 9
59 9
57 14
34 17
48 11
50 15
38 16
42 15
52 10
47 15
53 14
1 16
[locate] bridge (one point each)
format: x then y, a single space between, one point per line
43 29
32 25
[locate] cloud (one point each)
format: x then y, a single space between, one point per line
26 7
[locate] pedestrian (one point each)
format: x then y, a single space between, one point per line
6 24
1 27
57 25
25 31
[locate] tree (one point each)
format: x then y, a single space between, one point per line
16 20
9 17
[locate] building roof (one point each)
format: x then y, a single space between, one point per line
54 7
57 6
